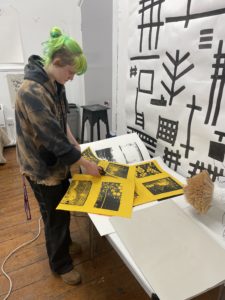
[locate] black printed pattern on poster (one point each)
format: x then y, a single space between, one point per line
167 77
161 186
82 189
109 196
145 170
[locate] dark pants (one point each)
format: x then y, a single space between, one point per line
56 223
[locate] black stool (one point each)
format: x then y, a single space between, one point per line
94 113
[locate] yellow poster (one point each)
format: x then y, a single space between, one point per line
153 183
119 188
100 195
89 155
118 170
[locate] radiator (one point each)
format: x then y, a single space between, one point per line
8 124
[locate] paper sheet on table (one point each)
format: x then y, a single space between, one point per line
124 149
175 255
101 195
213 221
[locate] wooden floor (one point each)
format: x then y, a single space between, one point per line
103 278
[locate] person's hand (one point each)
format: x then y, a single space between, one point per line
91 168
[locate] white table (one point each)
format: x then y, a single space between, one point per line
119 247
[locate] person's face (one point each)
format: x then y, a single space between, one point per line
63 74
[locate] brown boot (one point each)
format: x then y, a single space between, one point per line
72 277
75 248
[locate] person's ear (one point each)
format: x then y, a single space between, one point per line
57 62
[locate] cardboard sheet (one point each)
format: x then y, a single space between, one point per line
175 255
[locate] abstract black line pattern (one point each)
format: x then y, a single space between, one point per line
219 75
205 38
133 71
167 130
216 151
200 166
174 75
145 57
171 158
159 102
145 85
220 134
149 141
193 107
186 18
139 116
146 12
146 76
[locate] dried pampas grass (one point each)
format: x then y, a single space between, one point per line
199 191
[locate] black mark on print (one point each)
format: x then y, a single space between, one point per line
186 18
218 76
161 186
205 38
82 189
149 141
147 169
172 159
145 85
174 75
145 57
133 71
217 151
167 130
145 81
220 134
193 107
159 102
109 196
146 13
200 166
117 170
139 116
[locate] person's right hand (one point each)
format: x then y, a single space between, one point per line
91 168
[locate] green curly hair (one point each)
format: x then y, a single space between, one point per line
66 49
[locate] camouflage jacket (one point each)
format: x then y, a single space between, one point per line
43 149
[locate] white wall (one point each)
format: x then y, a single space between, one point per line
120 63
35 19
97 40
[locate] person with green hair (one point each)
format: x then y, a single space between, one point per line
46 148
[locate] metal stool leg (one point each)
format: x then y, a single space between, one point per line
84 119
98 129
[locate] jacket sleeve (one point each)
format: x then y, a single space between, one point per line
50 139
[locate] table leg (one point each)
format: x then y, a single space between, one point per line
221 295
91 238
